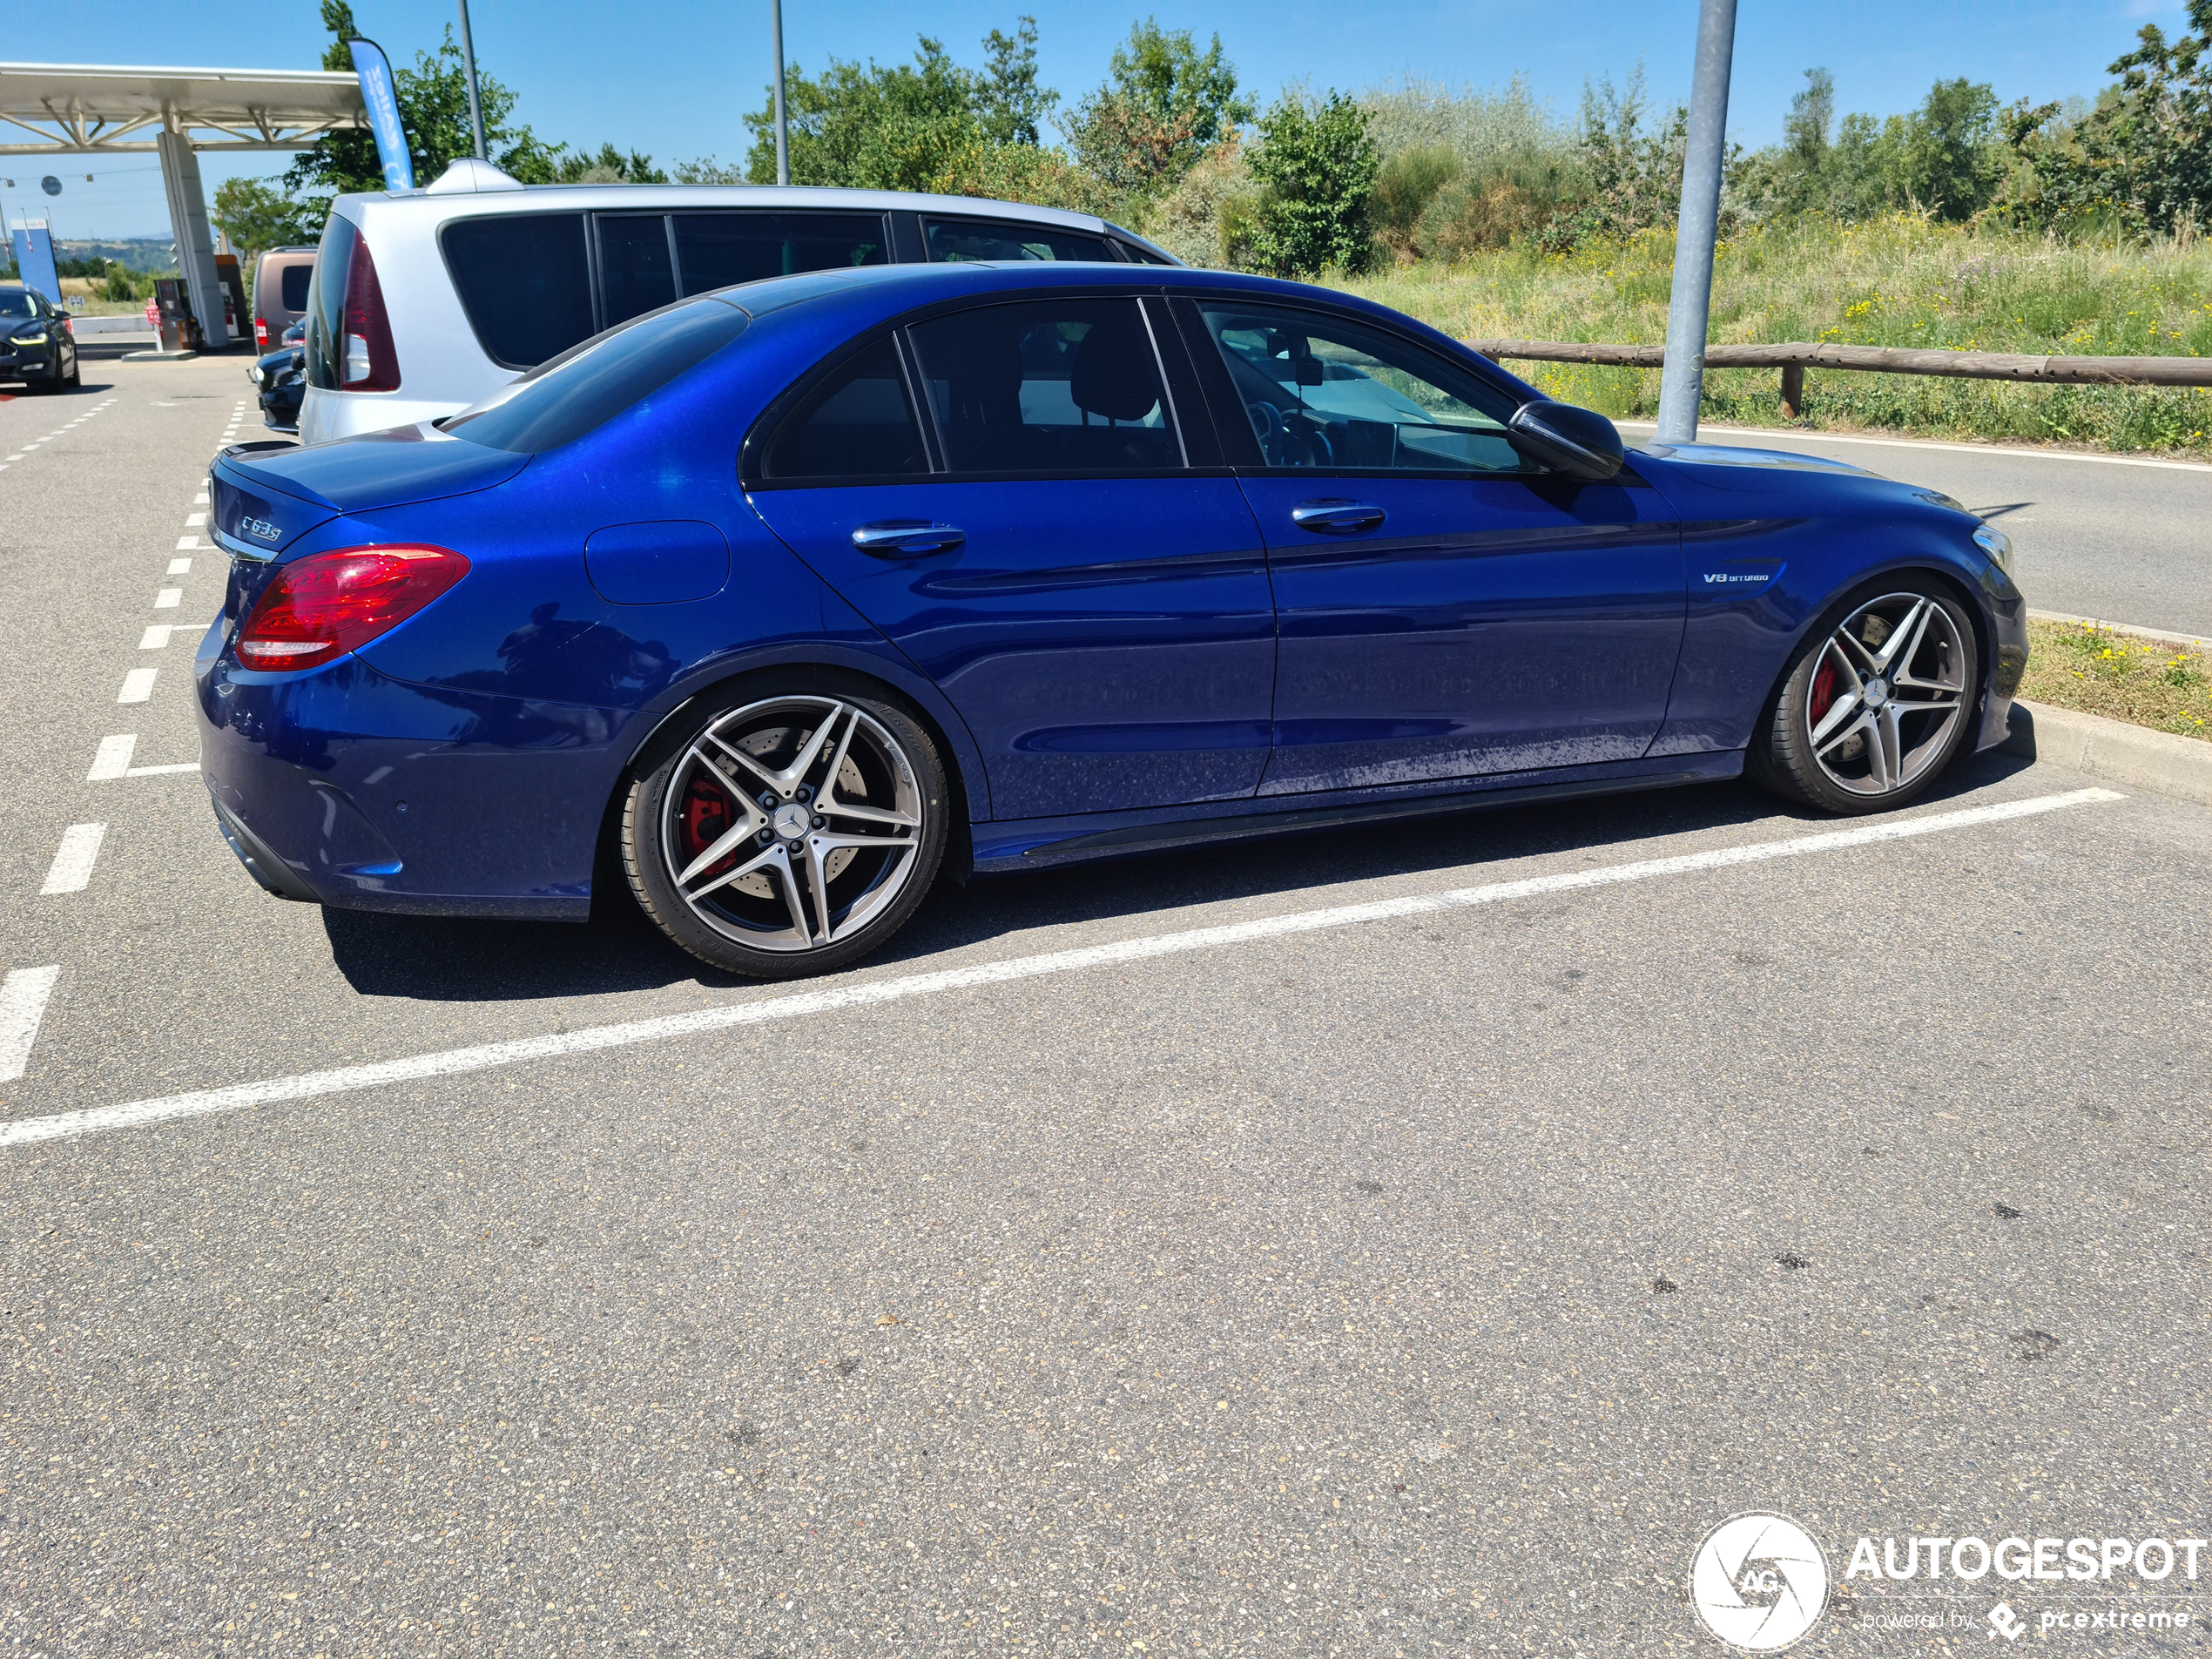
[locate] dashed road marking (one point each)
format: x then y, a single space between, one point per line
193 521
73 861
188 544
180 567
23 995
113 758
137 686
156 636
871 992
168 598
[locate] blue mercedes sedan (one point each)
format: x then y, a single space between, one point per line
783 599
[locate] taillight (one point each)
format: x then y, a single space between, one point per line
261 333
370 364
327 603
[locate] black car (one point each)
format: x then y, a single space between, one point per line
282 377
37 346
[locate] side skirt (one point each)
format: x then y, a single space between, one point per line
1001 849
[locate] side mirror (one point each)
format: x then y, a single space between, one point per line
1579 444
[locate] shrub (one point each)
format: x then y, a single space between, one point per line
1207 219
1317 165
1409 181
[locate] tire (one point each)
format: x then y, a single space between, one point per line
75 374
1876 701
847 788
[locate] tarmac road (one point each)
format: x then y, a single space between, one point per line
1422 1279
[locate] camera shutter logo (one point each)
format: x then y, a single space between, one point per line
1759 1581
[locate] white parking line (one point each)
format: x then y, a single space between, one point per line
73 859
871 992
193 521
23 995
137 686
113 759
156 634
168 598
180 567
188 544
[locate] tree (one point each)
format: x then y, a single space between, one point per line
1952 159
255 216
1317 165
1164 104
1008 102
609 167
1805 130
872 128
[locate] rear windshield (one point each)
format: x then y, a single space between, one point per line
560 400
525 281
293 286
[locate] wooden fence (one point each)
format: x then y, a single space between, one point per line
1792 357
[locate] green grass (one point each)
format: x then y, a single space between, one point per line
1896 281
2160 683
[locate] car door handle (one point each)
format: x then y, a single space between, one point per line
1336 517
906 539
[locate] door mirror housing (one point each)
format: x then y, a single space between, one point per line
1579 444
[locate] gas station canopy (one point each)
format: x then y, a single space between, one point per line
100 109
87 109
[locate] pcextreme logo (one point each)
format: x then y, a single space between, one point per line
1759 1581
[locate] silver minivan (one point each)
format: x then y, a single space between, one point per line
425 302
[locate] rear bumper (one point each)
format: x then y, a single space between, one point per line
347 788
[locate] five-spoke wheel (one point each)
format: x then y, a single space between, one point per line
1876 703
789 832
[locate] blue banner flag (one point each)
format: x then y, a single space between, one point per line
377 91
34 249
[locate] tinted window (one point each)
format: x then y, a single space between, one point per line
293 286
1327 392
327 303
525 282
1051 386
635 273
719 249
562 400
858 423
983 238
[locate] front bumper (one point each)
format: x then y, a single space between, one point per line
344 787
2006 610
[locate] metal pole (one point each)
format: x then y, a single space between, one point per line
783 129
1682 383
475 107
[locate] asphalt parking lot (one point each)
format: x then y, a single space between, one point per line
1401 1242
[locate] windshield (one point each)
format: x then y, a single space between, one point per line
588 385
16 305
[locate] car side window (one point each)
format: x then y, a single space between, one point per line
858 424
293 286
524 280
958 240
1049 386
636 273
716 250
1332 392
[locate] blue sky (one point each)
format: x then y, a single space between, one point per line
673 79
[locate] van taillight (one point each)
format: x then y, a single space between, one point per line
368 363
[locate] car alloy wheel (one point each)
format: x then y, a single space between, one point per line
1875 704
789 833
1888 689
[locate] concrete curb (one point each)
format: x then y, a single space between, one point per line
2133 630
2113 750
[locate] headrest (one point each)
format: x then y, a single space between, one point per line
1113 373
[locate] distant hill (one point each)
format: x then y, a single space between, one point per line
139 254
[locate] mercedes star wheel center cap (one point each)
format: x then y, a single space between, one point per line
791 820
1878 693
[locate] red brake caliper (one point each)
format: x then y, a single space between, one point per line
708 814
1823 689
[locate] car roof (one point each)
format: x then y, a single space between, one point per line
528 198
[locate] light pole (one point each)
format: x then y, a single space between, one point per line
475 105
1682 383
783 129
